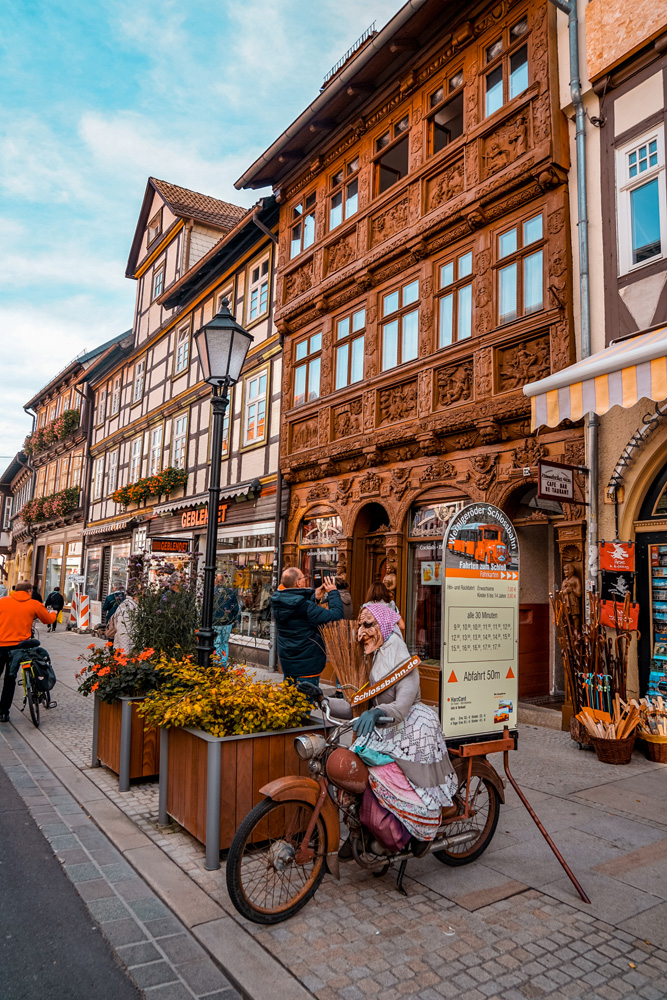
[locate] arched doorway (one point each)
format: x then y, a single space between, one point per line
369 559
651 592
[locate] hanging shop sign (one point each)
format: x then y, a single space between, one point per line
616 586
171 545
616 615
618 556
555 481
199 518
480 622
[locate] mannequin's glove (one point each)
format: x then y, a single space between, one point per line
365 724
312 691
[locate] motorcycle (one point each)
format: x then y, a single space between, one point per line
286 844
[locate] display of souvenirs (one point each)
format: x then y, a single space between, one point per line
658 597
616 614
616 585
618 556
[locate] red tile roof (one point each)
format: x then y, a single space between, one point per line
201 207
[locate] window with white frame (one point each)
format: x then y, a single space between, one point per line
63 472
302 233
640 194
155 458
139 374
254 416
455 299
75 471
7 514
53 412
154 228
507 67
400 326
40 487
344 193
98 477
307 363
182 353
350 348
520 252
179 441
158 283
51 478
135 458
257 296
115 395
101 410
112 472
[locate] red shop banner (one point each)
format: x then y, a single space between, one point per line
617 556
611 615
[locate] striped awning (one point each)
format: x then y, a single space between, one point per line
620 375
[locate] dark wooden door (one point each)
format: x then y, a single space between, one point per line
533 650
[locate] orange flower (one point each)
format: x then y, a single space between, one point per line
95 686
92 646
107 643
104 671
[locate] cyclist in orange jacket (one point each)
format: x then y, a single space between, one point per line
17 613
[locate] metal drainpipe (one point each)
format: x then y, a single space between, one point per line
592 422
277 541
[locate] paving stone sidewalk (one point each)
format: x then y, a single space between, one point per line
508 927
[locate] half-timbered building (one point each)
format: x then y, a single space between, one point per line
423 278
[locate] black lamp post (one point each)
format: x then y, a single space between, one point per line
222 345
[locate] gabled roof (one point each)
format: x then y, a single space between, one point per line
185 204
87 356
115 350
17 463
80 361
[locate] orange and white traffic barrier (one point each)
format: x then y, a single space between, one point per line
74 608
83 611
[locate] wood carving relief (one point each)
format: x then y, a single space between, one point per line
369 484
454 384
436 471
524 362
399 402
299 281
389 222
347 419
340 253
505 145
483 292
445 186
424 393
369 410
484 373
304 435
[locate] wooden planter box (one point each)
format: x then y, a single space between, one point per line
123 743
209 784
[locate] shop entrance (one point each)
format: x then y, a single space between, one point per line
651 568
369 560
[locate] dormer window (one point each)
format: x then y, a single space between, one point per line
154 228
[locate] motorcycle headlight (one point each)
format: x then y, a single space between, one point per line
308 746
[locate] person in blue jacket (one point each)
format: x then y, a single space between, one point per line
298 617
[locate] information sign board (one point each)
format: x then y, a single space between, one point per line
480 622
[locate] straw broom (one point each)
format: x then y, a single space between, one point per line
345 654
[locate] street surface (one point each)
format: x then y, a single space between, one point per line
508 927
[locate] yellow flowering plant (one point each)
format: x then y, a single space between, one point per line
221 701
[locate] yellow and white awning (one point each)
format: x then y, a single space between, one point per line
620 375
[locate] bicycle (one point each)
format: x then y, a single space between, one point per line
33 693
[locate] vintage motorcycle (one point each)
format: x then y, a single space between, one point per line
286 844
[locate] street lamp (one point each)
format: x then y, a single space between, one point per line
222 345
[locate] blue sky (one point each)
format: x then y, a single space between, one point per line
94 98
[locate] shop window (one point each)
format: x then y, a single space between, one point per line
257 296
115 394
318 545
182 353
179 441
445 120
72 565
138 382
93 567
455 299
507 67
157 287
344 193
391 155
155 457
400 326
302 233
641 200
428 524
254 415
350 348
98 476
101 409
112 472
75 472
54 568
245 558
136 454
154 228
520 254
307 362
120 555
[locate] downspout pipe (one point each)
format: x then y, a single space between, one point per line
569 7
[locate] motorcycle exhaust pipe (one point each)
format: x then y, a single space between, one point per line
457 840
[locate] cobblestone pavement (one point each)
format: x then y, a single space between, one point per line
508 926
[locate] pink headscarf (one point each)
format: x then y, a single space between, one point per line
385 616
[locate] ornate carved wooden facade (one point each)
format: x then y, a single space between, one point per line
437 413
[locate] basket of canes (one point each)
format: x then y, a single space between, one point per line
345 654
652 729
612 734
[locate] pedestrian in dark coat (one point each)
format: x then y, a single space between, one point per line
298 617
54 602
111 602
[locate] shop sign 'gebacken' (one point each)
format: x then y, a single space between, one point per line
181 545
199 518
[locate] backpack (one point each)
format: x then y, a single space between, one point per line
43 672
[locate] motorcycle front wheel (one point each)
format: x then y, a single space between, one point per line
264 881
470 837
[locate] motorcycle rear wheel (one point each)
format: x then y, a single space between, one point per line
484 799
264 883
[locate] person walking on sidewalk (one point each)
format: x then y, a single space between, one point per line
54 602
298 617
17 613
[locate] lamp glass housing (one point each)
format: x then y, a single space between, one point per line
222 345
